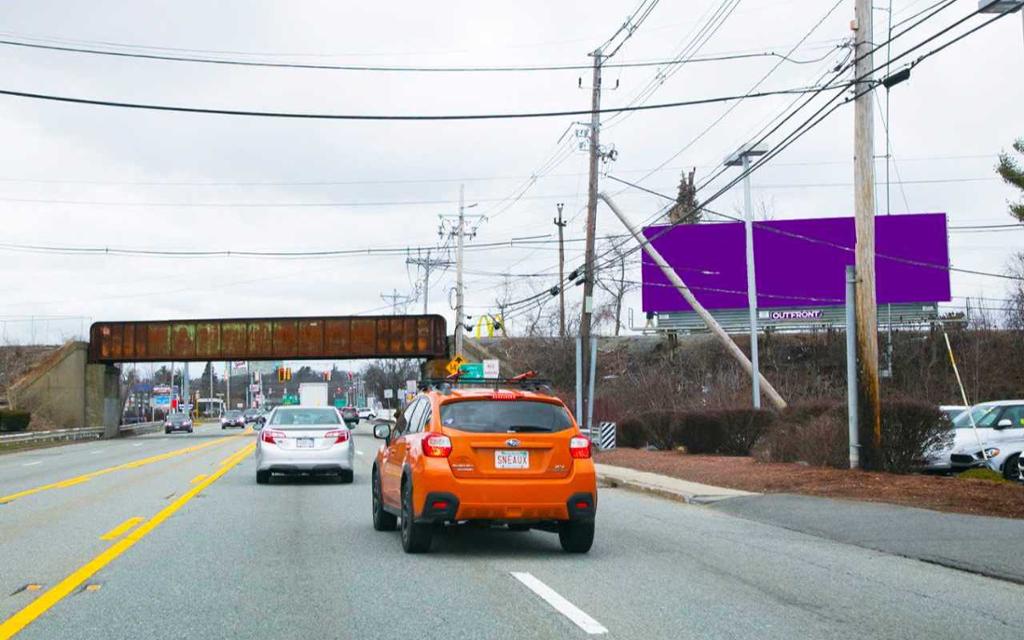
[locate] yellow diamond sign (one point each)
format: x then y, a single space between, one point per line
453 367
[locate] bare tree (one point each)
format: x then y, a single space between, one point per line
1014 306
614 280
686 210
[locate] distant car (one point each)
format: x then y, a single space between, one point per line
251 415
304 440
997 434
350 415
366 413
178 422
232 419
937 459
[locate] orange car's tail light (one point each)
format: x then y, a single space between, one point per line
437 446
338 436
579 447
270 436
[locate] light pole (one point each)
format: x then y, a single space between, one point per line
741 158
1001 6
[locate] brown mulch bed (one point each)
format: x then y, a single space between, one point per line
940 493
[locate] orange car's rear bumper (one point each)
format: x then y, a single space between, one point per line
440 496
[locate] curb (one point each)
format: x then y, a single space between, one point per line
662 492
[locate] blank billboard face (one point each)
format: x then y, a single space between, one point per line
799 263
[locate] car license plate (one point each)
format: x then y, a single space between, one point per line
304 443
511 459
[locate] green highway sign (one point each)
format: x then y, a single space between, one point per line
472 370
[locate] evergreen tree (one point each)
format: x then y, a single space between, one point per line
1012 172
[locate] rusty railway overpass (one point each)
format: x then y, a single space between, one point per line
309 338
78 386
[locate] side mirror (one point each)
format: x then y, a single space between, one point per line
1004 423
382 432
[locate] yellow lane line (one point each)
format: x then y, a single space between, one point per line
198 478
62 589
70 482
116 532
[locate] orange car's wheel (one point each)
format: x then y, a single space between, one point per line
415 537
576 537
382 520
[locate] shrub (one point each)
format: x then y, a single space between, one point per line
726 432
815 435
14 420
818 434
909 429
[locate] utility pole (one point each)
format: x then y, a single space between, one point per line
561 271
588 283
742 159
394 297
869 402
428 264
227 381
459 310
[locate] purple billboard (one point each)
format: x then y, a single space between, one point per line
799 263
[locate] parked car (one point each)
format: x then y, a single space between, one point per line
178 422
366 413
350 415
998 436
937 459
493 456
304 440
232 419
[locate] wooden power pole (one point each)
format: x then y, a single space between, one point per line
869 401
589 269
561 271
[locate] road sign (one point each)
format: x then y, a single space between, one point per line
453 366
472 370
492 368
410 386
388 393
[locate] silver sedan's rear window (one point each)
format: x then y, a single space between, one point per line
304 418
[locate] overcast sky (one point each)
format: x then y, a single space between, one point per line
147 178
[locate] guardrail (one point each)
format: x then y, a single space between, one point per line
55 434
140 428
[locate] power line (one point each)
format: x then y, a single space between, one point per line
382 117
373 68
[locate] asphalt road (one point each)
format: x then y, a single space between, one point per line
213 555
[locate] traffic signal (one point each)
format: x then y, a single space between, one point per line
288 373
327 375
280 374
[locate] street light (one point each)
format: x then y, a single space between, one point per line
1001 6
741 158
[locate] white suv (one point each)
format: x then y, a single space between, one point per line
1000 431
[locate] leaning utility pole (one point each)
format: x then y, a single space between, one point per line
428 264
589 275
459 309
864 208
561 270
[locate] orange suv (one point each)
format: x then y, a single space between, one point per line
509 455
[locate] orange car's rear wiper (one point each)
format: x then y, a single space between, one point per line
525 428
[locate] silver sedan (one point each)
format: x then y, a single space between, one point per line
304 440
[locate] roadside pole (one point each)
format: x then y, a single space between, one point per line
560 223
579 381
459 311
709 320
851 365
869 401
589 268
227 379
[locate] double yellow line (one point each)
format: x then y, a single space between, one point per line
62 589
70 482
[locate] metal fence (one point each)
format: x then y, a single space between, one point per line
30 437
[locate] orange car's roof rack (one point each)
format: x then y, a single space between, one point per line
526 381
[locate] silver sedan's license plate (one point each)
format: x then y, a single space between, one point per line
304 443
511 459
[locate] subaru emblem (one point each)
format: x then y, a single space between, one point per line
512 442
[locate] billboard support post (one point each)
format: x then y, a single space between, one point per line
851 365
708 319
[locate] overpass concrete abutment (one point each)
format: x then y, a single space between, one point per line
68 391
